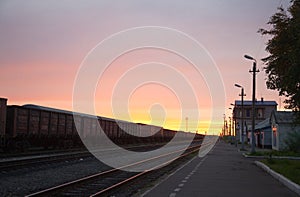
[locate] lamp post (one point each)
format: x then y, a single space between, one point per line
234 124
231 127
224 127
230 123
233 119
242 115
254 71
186 123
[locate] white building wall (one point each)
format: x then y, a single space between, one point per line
283 131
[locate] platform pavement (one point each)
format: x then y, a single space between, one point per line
222 172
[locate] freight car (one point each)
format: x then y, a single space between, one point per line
36 126
33 126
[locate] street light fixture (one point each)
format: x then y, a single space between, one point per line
237 85
249 57
242 109
254 71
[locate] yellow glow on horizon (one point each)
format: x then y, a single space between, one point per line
153 104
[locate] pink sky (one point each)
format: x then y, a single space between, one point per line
44 42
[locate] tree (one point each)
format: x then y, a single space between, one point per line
283 63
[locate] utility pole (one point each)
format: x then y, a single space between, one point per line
242 131
242 114
224 127
186 123
234 123
230 126
254 71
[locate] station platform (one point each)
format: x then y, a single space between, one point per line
222 172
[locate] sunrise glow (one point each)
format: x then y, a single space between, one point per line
42 52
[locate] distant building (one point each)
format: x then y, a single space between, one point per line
263 110
282 123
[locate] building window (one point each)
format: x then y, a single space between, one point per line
248 113
259 113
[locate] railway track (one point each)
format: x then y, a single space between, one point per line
104 183
33 161
42 159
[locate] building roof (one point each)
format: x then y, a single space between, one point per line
263 124
283 116
257 103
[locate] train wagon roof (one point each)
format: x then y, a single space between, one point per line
38 107
31 106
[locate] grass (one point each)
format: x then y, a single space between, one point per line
275 153
288 168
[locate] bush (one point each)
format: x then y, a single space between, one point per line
293 142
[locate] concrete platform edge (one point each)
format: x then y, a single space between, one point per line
285 181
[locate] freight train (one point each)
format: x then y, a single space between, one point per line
32 126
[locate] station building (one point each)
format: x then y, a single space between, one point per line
263 111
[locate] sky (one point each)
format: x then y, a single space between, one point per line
45 44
